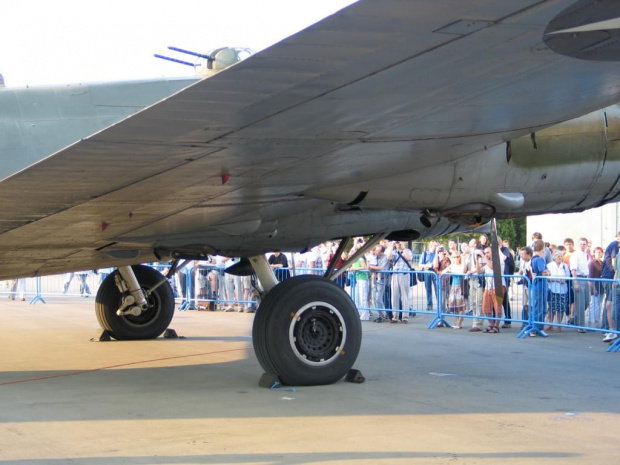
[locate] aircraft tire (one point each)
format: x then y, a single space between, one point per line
151 323
307 331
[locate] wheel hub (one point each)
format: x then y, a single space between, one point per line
146 315
317 333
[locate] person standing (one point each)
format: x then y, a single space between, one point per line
509 270
84 289
539 287
430 278
596 288
453 247
456 300
441 263
525 269
609 272
473 268
558 288
17 286
377 267
547 256
360 297
490 307
398 255
579 262
279 263
67 283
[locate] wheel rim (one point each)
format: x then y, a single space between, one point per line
317 333
147 316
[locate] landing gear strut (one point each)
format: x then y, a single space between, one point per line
135 303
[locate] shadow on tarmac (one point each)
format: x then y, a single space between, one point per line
287 458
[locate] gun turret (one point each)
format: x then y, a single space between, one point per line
212 62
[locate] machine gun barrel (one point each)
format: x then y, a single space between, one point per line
187 63
187 52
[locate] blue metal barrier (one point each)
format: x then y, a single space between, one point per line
470 297
392 294
38 297
198 289
538 307
568 300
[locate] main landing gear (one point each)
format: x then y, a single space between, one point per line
135 303
307 330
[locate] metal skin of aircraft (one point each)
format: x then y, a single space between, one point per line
391 118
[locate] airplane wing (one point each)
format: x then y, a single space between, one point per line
381 88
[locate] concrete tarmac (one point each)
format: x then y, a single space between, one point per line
439 396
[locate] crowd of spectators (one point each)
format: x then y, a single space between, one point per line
574 288
572 285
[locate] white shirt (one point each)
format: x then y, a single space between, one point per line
524 267
556 285
490 282
579 263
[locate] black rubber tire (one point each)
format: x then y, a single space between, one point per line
307 331
151 323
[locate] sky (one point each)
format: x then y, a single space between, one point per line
45 42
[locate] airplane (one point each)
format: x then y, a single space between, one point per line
390 118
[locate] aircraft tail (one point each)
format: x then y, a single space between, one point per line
1 81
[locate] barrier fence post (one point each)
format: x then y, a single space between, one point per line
185 304
614 288
439 318
537 303
37 297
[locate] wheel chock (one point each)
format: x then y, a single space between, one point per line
269 380
170 334
354 376
103 336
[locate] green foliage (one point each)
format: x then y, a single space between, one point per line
512 229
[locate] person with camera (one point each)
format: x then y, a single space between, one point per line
399 256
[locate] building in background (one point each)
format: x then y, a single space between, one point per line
599 225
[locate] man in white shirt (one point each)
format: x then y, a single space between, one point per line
579 262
